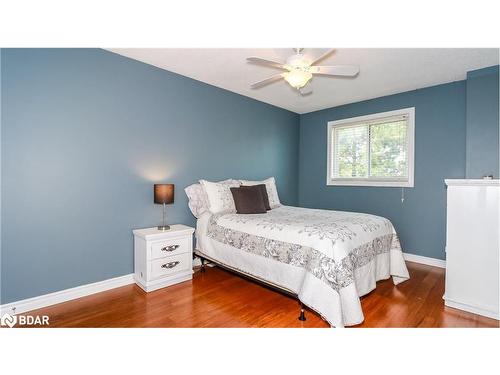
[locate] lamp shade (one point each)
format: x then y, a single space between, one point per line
164 193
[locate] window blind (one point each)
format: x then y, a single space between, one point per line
375 149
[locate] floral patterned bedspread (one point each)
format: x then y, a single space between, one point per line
330 245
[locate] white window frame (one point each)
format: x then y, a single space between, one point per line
374 181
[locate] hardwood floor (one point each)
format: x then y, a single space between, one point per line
217 298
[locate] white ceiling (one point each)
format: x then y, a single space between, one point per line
382 71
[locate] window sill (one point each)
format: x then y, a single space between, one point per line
370 183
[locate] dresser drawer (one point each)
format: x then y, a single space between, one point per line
170 247
170 265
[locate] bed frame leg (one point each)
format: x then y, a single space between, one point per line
202 268
302 316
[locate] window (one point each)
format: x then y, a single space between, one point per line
373 150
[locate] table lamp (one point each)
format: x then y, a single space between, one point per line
164 194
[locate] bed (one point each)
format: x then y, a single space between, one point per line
328 259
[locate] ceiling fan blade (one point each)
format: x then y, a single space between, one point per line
323 56
266 81
336 70
274 64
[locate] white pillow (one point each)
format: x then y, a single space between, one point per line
197 199
219 195
272 192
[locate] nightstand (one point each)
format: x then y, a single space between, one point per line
163 258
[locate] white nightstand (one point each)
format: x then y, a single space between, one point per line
163 258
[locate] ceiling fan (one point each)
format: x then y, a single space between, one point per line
299 69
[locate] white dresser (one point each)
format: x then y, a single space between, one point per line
163 258
472 246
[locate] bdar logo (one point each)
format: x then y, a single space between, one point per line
8 320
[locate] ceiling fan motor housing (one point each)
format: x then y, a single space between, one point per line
298 61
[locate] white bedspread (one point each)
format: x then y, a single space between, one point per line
329 258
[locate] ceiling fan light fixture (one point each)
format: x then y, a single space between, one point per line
297 78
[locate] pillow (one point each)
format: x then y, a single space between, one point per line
219 196
197 199
248 200
263 191
230 181
272 192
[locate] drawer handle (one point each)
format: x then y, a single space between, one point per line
170 248
170 265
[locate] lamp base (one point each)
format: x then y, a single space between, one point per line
163 227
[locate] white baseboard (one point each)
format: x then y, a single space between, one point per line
425 260
45 300
472 309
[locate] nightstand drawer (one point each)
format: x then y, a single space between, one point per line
170 247
170 265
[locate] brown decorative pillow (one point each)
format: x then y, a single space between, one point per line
263 191
248 200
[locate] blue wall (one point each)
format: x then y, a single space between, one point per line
86 133
482 123
439 153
